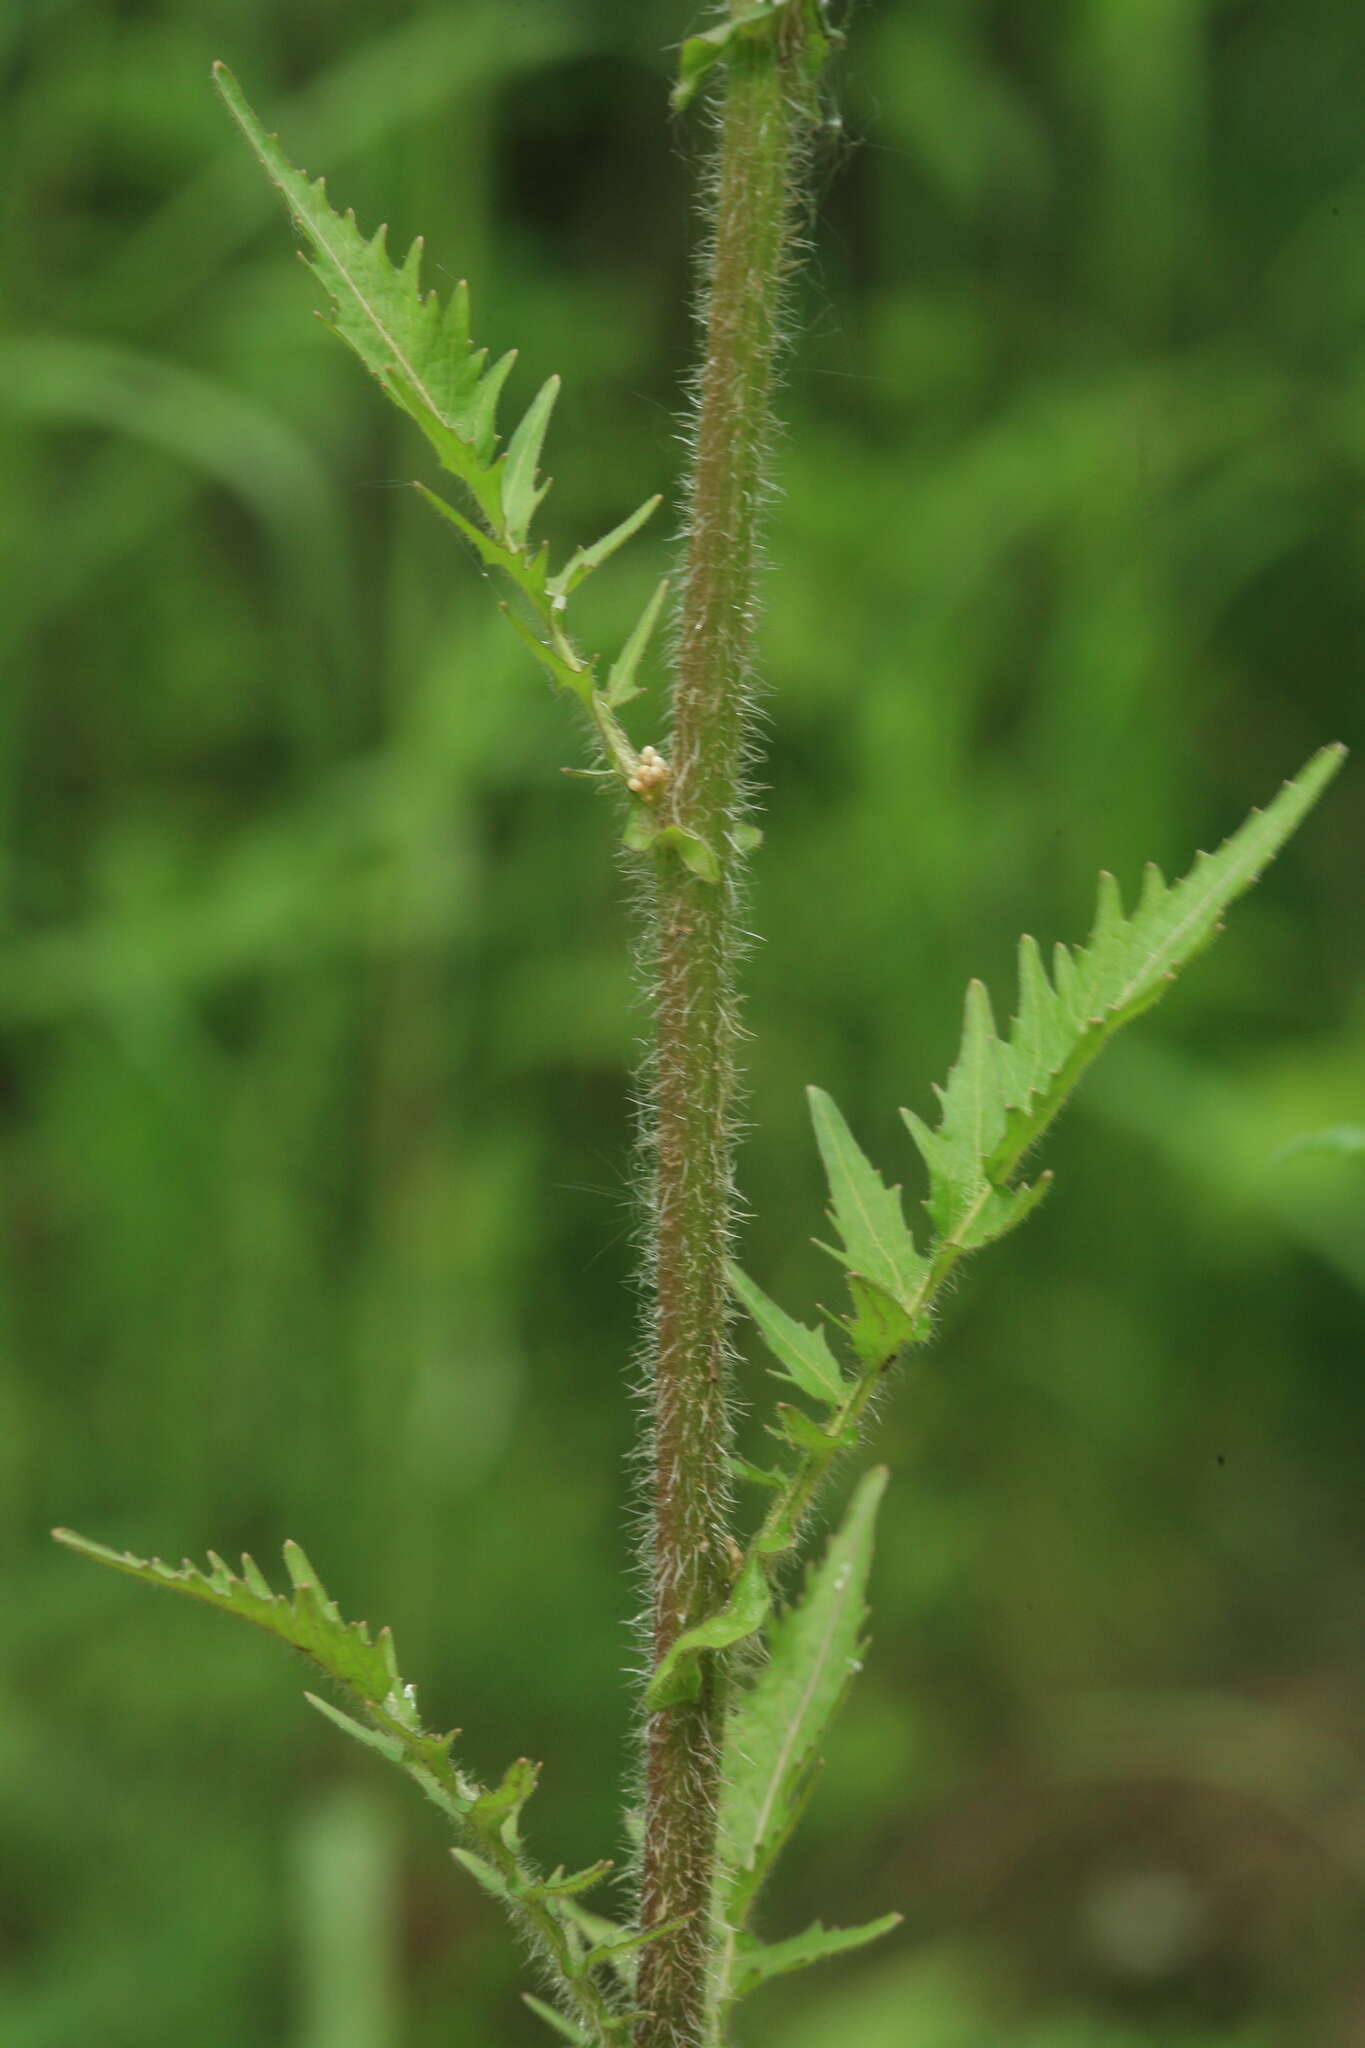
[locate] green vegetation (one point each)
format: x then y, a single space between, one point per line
182 972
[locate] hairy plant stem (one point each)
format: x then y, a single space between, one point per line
695 943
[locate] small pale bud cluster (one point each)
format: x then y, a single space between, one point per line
650 771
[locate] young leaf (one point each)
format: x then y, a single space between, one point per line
483 1873
558 2023
878 1327
779 1722
559 1886
757 1964
583 561
866 1213
1004 1092
498 1810
521 494
616 1951
803 1354
621 686
743 1613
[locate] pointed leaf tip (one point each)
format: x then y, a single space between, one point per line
1003 1093
866 1213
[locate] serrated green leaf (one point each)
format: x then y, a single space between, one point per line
676 1677
621 686
583 561
779 1722
803 1354
417 349
558 2023
758 1964
1003 1093
521 494
309 1621
866 1213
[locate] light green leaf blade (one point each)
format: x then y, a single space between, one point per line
779 1722
803 1354
562 1886
878 1327
757 1965
866 1213
521 494
621 684
499 1809
676 1677
583 561
484 1873
389 1746
558 2023
1003 1092
527 571
307 1620
418 349
623 1948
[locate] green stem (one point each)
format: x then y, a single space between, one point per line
695 944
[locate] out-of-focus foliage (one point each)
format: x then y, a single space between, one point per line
317 1020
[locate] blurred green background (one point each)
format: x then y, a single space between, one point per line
319 1024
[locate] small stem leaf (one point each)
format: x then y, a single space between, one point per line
496 1812
756 1965
615 1952
567 2029
1003 1093
798 1428
701 53
779 1722
866 1213
755 1475
484 1873
583 561
621 685
521 494
803 1354
692 851
390 1746
561 1887
560 671
745 1611
527 572
879 1327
